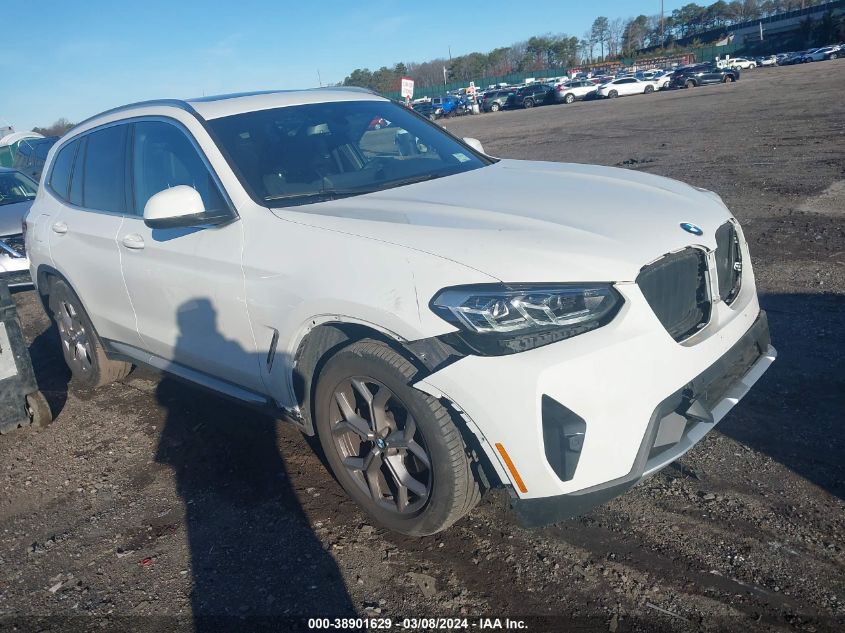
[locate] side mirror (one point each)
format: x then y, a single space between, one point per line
179 206
474 143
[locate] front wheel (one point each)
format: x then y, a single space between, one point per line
690 83
728 79
494 107
394 449
528 103
612 94
649 89
569 98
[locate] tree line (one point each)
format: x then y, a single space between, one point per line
606 39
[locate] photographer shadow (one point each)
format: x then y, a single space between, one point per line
254 556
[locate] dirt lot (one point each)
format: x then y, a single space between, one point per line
148 498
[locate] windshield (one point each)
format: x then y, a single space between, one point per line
322 151
15 187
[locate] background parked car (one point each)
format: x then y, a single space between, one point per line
426 109
820 54
766 60
31 155
703 74
530 96
792 58
574 91
495 100
17 191
742 63
625 86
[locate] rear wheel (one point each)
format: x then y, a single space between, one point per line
81 347
528 103
612 94
649 89
494 107
569 98
690 83
728 79
394 449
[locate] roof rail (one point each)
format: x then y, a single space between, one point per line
174 103
347 88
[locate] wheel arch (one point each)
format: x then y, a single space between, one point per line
326 339
45 276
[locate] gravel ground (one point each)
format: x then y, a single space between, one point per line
153 506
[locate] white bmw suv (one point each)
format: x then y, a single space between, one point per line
281 249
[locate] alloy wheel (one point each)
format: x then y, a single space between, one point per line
75 340
378 442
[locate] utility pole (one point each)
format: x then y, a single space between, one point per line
661 23
319 79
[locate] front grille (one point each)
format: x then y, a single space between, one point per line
14 242
675 287
728 262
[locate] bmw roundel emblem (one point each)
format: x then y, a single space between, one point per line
691 228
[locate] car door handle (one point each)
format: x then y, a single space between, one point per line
134 241
60 228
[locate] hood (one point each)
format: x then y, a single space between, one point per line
11 216
524 221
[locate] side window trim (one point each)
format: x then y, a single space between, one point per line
218 184
128 147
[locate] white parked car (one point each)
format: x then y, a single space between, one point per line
820 54
768 60
17 191
625 86
742 63
661 79
575 90
273 248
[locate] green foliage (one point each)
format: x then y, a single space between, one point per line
58 128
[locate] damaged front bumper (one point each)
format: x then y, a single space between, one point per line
677 424
573 424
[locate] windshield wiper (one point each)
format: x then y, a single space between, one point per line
315 196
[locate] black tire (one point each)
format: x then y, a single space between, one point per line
649 89
494 107
728 79
528 103
569 98
689 84
452 488
38 409
612 94
81 346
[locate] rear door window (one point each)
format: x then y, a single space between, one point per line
62 167
104 186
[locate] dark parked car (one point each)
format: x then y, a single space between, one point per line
31 155
792 58
703 74
529 96
425 109
495 100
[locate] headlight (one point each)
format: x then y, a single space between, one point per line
499 319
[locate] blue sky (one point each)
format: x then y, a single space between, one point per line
84 57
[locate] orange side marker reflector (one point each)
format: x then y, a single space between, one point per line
514 473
